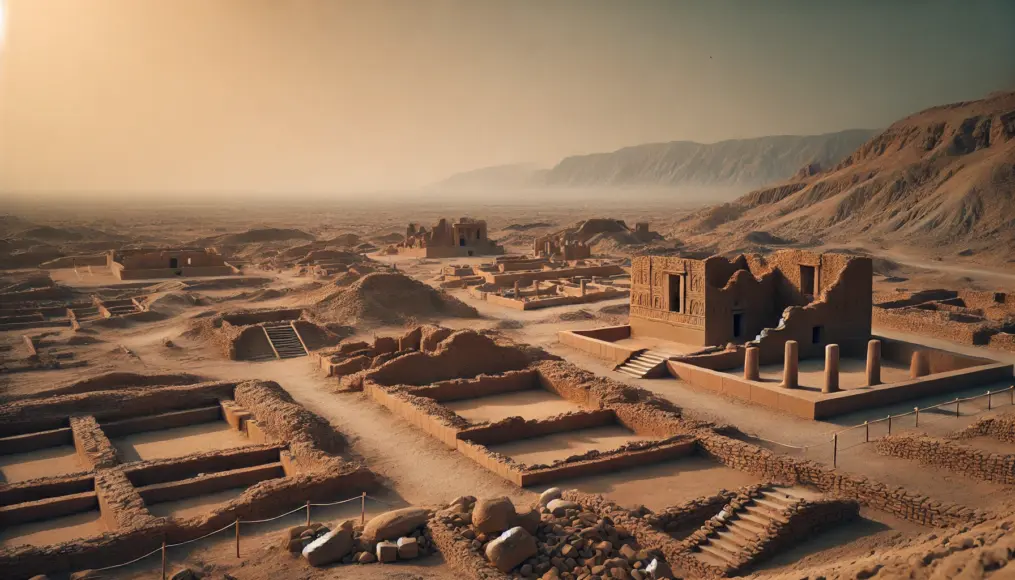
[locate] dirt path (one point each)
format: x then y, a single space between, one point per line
417 467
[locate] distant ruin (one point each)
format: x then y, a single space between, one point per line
465 237
145 263
575 242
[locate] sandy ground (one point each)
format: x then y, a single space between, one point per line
43 533
42 463
550 448
534 404
179 441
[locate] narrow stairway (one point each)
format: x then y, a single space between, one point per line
83 313
642 363
723 548
285 340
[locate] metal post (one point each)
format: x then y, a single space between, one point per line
363 509
835 450
988 401
308 513
163 560
1011 393
867 435
917 411
237 536
956 407
889 424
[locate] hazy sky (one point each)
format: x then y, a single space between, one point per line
334 95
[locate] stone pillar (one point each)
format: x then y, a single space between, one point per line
518 293
582 285
920 365
831 369
873 363
791 365
752 357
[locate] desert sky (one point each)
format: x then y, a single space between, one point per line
229 97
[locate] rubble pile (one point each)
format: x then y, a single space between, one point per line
557 539
392 536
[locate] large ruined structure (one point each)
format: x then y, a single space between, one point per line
790 331
466 237
145 263
717 301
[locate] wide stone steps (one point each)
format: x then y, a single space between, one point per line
724 546
641 364
286 342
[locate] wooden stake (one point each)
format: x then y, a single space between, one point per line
916 410
835 450
308 513
237 536
363 509
163 560
889 424
867 432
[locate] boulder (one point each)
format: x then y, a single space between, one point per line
528 519
366 558
657 570
387 551
183 574
39 577
493 515
394 524
549 495
408 548
331 547
511 549
559 507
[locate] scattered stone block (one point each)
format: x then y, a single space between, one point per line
549 495
387 552
511 549
559 507
493 515
366 558
394 524
330 547
527 519
408 548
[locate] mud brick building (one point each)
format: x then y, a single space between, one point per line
146 263
466 237
811 298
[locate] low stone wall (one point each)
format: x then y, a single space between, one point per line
897 501
934 452
600 342
1001 427
481 386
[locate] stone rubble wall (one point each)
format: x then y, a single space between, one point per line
935 452
1001 427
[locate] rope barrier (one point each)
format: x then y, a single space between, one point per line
301 508
231 524
336 502
134 561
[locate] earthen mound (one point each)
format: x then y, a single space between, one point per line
389 238
389 298
263 235
530 226
346 240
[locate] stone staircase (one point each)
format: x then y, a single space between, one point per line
83 313
285 340
642 363
729 544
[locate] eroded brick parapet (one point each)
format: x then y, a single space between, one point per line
93 447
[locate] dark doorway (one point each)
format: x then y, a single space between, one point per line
807 280
738 324
676 292
174 263
816 335
461 242
470 252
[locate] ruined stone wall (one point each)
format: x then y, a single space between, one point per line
461 355
755 299
942 453
1001 427
159 259
897 501
651 312
481 386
